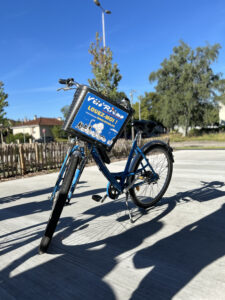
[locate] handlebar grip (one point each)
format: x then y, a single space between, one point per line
69 81
63 81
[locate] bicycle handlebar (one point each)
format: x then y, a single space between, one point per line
68 82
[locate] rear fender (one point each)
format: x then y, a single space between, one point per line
147 147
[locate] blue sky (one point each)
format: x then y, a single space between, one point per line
42 41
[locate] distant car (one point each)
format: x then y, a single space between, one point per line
149 128
48 139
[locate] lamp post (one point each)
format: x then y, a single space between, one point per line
139 109
103 20
132 118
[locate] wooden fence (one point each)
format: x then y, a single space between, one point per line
17 160
25 158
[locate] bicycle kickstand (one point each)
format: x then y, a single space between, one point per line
129 211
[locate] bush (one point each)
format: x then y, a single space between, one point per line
199 132
58 132
195 132
222 128
11 138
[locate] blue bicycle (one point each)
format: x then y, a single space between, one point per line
145 178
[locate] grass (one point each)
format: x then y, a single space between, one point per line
199 148
177 137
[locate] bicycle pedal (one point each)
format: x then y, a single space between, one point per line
96 198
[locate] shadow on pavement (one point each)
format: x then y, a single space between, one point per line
89 193
78 271
24 209
178 258
31 194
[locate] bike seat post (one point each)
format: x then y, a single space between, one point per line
138 135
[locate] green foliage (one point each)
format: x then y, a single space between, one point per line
194 132
106 75
11 138
149 107
211 114
5 125
57 132
65 110
3 102
188 88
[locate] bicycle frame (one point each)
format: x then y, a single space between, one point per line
122 185
118 179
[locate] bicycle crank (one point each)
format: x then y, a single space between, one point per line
112 192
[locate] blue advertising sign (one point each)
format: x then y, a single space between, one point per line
99 119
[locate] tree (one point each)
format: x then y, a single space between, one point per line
58 132
3 104
187 86
4 128
65 111
149 107
106 75
211 114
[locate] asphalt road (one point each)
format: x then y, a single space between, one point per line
175 250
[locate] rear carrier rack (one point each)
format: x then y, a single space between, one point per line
96 119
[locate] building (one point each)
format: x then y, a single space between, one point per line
37 128
222 113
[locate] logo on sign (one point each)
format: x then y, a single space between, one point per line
107 108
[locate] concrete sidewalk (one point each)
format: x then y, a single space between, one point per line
176 250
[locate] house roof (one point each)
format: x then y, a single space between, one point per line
41 121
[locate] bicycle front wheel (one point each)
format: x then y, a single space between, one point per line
151 184
59 204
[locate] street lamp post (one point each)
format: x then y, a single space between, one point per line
139 109
103 20
132 118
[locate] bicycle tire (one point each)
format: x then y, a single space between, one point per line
58 204
143 195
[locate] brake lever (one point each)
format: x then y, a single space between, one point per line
65 89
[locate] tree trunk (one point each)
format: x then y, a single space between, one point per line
2 141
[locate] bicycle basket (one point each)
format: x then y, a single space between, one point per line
95 118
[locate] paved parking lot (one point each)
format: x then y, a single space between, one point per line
176 250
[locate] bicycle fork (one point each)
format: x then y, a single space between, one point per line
77 175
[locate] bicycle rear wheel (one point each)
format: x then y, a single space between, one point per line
59 204
151 187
